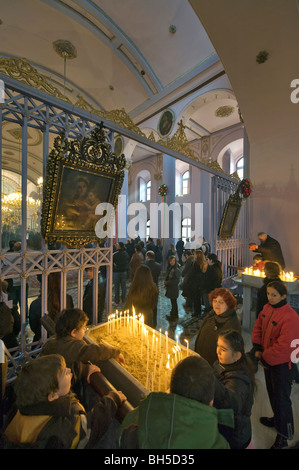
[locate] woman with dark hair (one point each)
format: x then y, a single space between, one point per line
234 387
272 273
143 294
196 280
222 317
273 336
172 280
136 260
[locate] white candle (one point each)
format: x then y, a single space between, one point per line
160 338
166 339
153 344
187 346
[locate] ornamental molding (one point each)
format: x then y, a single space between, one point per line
22 71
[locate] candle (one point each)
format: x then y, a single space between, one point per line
187 346
153 344
166 340
160 336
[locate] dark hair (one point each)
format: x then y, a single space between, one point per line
213 257
227 296
236 342
273 269
150 254
279 286
170 257
121 245
188 252
37 379
143 291
193 378
69 320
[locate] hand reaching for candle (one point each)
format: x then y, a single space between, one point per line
120 358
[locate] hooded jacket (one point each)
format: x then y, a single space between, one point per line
273 332
60 424
234 390
170 421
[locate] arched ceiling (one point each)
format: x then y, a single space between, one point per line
140 55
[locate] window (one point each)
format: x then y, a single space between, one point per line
240 167
142 190
148 190
186 228
186 182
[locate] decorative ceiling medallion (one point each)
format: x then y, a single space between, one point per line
13 133
65 49
224 111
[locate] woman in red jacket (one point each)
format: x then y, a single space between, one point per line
274 330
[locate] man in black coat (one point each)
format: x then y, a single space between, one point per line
180 249
269 248
120 272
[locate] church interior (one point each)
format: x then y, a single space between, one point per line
168 111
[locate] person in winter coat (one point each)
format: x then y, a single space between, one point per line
269 248
69 343
136 260
49 416
120 272
234 387
212 279
197 280
172 280
272 272
222 317
181 419
274 331
185 285
143 295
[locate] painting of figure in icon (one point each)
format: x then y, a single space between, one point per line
79 194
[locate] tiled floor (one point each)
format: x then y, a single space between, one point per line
186 328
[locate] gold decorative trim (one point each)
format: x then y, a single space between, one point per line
21 70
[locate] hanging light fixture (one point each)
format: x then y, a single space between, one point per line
66 50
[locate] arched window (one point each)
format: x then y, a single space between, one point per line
142 190
186 228
148 190
240 167
186 182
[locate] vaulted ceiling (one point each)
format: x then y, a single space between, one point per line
138 55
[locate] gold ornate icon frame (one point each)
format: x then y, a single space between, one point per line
81 173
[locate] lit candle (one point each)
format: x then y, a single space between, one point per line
153 344
166 340
187 346
160 336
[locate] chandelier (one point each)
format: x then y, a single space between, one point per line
14 200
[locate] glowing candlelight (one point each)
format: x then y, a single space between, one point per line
186 341
166 340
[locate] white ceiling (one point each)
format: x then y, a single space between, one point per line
126 57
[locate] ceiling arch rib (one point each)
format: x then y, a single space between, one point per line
96 21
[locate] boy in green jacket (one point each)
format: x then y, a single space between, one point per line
181 419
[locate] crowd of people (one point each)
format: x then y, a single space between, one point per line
211 395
